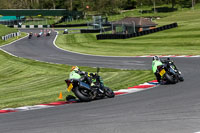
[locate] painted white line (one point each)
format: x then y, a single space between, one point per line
25 108
14 41
8 53
137 88
10 44
146 56
146 83
54 43
34 107
129 90
8 109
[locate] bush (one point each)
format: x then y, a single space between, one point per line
185 3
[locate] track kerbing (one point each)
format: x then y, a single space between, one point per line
134 89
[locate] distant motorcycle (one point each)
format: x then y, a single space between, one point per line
84 92
65 31
30 35
40 34
48 33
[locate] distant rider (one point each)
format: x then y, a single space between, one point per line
155 63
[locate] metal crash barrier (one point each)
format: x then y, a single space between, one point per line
146 32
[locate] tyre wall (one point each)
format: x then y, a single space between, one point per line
146 32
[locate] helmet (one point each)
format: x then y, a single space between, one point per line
156 58
74 68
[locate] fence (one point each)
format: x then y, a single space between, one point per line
125 36
6 37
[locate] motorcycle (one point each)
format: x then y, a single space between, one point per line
30 36
85 92
48 33
172 67
169 72
40 34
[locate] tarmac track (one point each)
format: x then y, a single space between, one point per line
164 109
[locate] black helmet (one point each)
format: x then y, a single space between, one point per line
156 58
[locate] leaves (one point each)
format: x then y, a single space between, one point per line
98 6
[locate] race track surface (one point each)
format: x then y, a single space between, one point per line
164 109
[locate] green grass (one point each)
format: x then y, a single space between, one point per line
129 13
44 20
27 82
6 30
2 42
40 22
183 40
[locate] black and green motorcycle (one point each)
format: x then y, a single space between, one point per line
86 92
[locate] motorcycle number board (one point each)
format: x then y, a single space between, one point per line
70 87
162 72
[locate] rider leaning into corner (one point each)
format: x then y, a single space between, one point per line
76 73
158 62
155 63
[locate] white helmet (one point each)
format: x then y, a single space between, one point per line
156 58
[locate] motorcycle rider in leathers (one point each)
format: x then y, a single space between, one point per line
78 74
155 63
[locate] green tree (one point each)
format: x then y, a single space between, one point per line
185 3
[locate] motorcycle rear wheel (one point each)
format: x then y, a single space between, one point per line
84 97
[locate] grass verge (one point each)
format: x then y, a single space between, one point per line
2 42
183 40
26 82
5 31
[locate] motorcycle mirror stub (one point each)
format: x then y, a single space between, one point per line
98 69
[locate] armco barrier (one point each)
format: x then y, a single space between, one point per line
6 37
124 36
52 26
95 30
90 30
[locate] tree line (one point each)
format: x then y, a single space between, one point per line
98 6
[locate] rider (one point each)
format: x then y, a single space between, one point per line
155 63
168 62
78 74
31 33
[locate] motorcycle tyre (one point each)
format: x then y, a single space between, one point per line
169 78
181 79
70 98
80 96
109 93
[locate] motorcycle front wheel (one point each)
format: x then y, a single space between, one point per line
109 93
169 78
